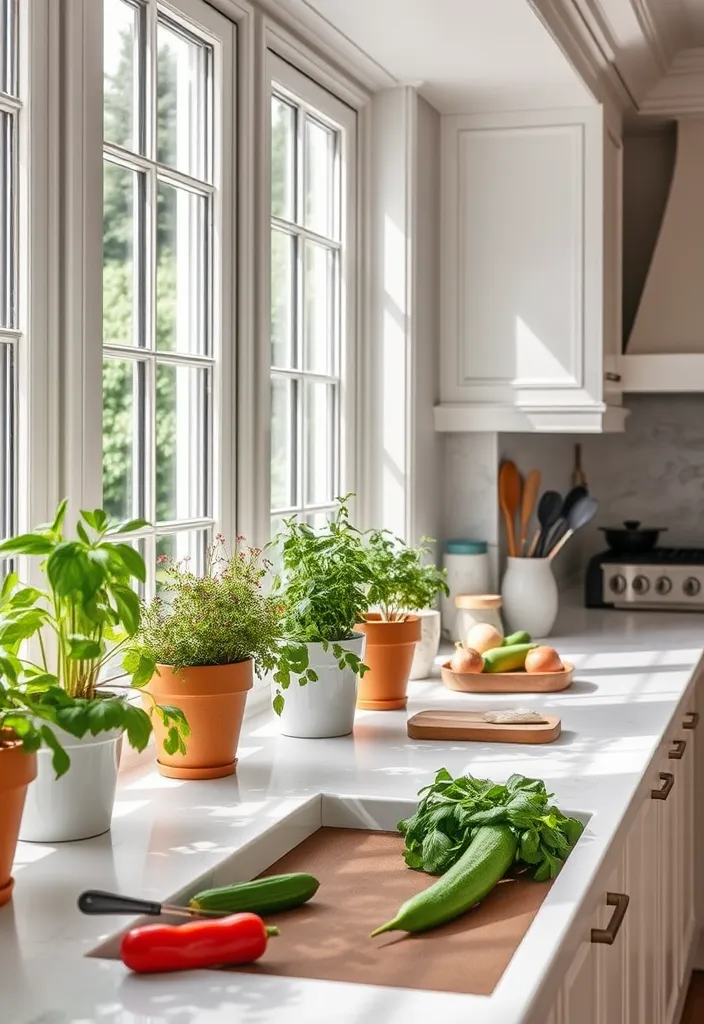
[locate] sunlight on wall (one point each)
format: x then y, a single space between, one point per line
394 380
534 360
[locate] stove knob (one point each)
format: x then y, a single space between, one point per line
617 584
692 586
641 585
663 585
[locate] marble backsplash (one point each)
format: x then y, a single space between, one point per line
654 472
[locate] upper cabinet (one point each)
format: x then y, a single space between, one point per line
531 272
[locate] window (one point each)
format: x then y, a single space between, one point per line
167 337
312 296
11 337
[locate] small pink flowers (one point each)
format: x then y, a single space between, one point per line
162 559
240 537
220 537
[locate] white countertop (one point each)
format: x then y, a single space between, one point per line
633 669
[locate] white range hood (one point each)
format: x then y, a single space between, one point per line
670 318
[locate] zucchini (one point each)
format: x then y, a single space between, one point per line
482 866
261 896
507 659
521 637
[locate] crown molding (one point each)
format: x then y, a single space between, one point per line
681 90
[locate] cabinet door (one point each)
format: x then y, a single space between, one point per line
611 959
668 846
686 771
642 926
579 995
613 215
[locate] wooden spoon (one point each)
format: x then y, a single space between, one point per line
510 489
549 508
530 496
580 514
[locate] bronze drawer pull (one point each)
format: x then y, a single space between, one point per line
691 721
608 934
678 749
668 781
610 375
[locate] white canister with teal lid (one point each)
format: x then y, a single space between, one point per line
468 572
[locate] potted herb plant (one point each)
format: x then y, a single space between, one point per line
322 588
400 581
24 729
199 642
77 624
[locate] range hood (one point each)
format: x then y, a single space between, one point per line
670 317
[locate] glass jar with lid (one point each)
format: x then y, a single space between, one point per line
474 608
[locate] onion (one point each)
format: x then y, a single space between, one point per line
466 660
543 659
483 637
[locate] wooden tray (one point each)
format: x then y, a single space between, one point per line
469 725
507 682
363 881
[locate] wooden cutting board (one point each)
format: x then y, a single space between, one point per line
469 725
507 682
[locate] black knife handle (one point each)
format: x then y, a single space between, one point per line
93 901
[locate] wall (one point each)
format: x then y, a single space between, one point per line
648 164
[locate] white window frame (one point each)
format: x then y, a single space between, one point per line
82 462
300 90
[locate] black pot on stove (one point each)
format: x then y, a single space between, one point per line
631 538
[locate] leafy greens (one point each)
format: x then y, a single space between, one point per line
452 811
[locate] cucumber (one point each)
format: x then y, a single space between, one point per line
482 866
261 896
521 637
506 659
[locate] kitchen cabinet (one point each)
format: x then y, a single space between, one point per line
641 975
531 282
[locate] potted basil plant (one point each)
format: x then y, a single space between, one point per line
322 587
199 643
77 625
402 584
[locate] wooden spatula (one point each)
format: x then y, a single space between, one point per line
510 490
531 487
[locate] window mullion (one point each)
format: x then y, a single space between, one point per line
149 482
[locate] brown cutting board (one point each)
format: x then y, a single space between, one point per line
469 725
507 682
363 881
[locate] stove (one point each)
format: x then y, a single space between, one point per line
664 578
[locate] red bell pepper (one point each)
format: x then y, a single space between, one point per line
237 939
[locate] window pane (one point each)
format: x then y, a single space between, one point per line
319 442
188 546
7 445
182 131
122 77
319 178
123 199
8 238
319 308
282 299
283 434
123 432
8 50
181 276
283 159
319 520
182 399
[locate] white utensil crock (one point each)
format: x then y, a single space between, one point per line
79 804
428 645
324 708
530 596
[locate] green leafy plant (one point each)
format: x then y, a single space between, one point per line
24 719
80 622
220 618
453 811
322 588
400 581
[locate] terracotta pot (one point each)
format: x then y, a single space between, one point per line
389 655
17 770
212 697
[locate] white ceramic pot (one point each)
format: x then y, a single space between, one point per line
79 804
428 645
326 707
530 596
